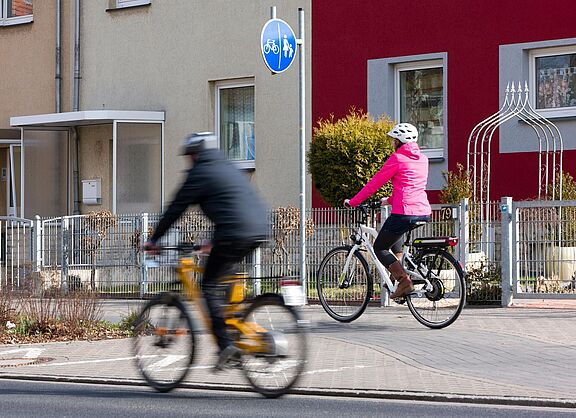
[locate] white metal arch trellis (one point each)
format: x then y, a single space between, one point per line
550 149
550 146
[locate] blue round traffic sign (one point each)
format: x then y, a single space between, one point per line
278 45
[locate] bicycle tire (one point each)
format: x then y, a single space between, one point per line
344 304
164 342
274 372
441 306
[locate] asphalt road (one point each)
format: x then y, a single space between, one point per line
53 399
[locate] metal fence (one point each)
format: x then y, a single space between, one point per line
509 249
544 258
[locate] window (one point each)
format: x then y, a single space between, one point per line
235 121
553 80
121 4
420 101
14 12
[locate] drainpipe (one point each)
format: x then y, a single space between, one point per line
76 108
76 171
76 93
58 57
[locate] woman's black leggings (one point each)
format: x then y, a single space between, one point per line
391 236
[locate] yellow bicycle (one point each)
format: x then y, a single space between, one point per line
267 328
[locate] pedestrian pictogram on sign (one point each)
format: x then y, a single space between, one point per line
278 45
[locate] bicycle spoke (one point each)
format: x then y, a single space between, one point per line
163 343
344 294
440 305
275 370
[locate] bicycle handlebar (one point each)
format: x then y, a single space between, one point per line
183 247
364 207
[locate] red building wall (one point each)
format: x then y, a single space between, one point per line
346 34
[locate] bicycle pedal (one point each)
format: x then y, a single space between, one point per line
400 301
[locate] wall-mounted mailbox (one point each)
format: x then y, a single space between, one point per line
92 191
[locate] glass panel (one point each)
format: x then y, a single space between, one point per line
19 8
139 168
14 176
422 104
46 173
237 122
556 81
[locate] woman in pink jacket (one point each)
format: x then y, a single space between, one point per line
407 167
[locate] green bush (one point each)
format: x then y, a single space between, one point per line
346 153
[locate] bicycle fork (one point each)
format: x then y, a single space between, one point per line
345 279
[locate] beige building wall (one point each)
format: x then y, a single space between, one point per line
96 162
169 55
28 68
28 53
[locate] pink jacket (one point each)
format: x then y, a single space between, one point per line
408 170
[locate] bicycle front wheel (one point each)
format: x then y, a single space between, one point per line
274 369
164 342
344 295
441 305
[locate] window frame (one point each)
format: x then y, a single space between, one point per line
435 153
559 112
230 84
125 4
15 20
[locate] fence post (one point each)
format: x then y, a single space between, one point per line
257 270
143 266
384 292
507 249
37 251
464 230
65 246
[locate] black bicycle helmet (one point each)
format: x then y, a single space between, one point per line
197 141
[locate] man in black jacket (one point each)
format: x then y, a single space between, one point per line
240 217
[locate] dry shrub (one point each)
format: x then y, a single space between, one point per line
73 315
39 314
80 310
7 310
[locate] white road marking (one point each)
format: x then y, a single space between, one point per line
31 353
339 369
105 360
165 362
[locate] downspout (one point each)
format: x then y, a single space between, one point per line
76 108
76 93
58 57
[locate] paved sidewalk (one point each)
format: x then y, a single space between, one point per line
489 355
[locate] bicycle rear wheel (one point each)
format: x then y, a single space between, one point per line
439 307
164 342
344 297
276 369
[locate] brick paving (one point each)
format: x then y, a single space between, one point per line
515 355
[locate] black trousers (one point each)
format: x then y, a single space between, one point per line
221 263
391 236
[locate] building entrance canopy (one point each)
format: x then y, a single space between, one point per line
52 165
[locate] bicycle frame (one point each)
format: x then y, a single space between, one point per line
233 311
362 240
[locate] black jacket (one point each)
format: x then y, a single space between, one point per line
226 197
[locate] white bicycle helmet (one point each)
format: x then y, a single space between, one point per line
198 141
404 132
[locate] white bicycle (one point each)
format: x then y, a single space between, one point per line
345 281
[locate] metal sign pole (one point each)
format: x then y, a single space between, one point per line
302 88
278 45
